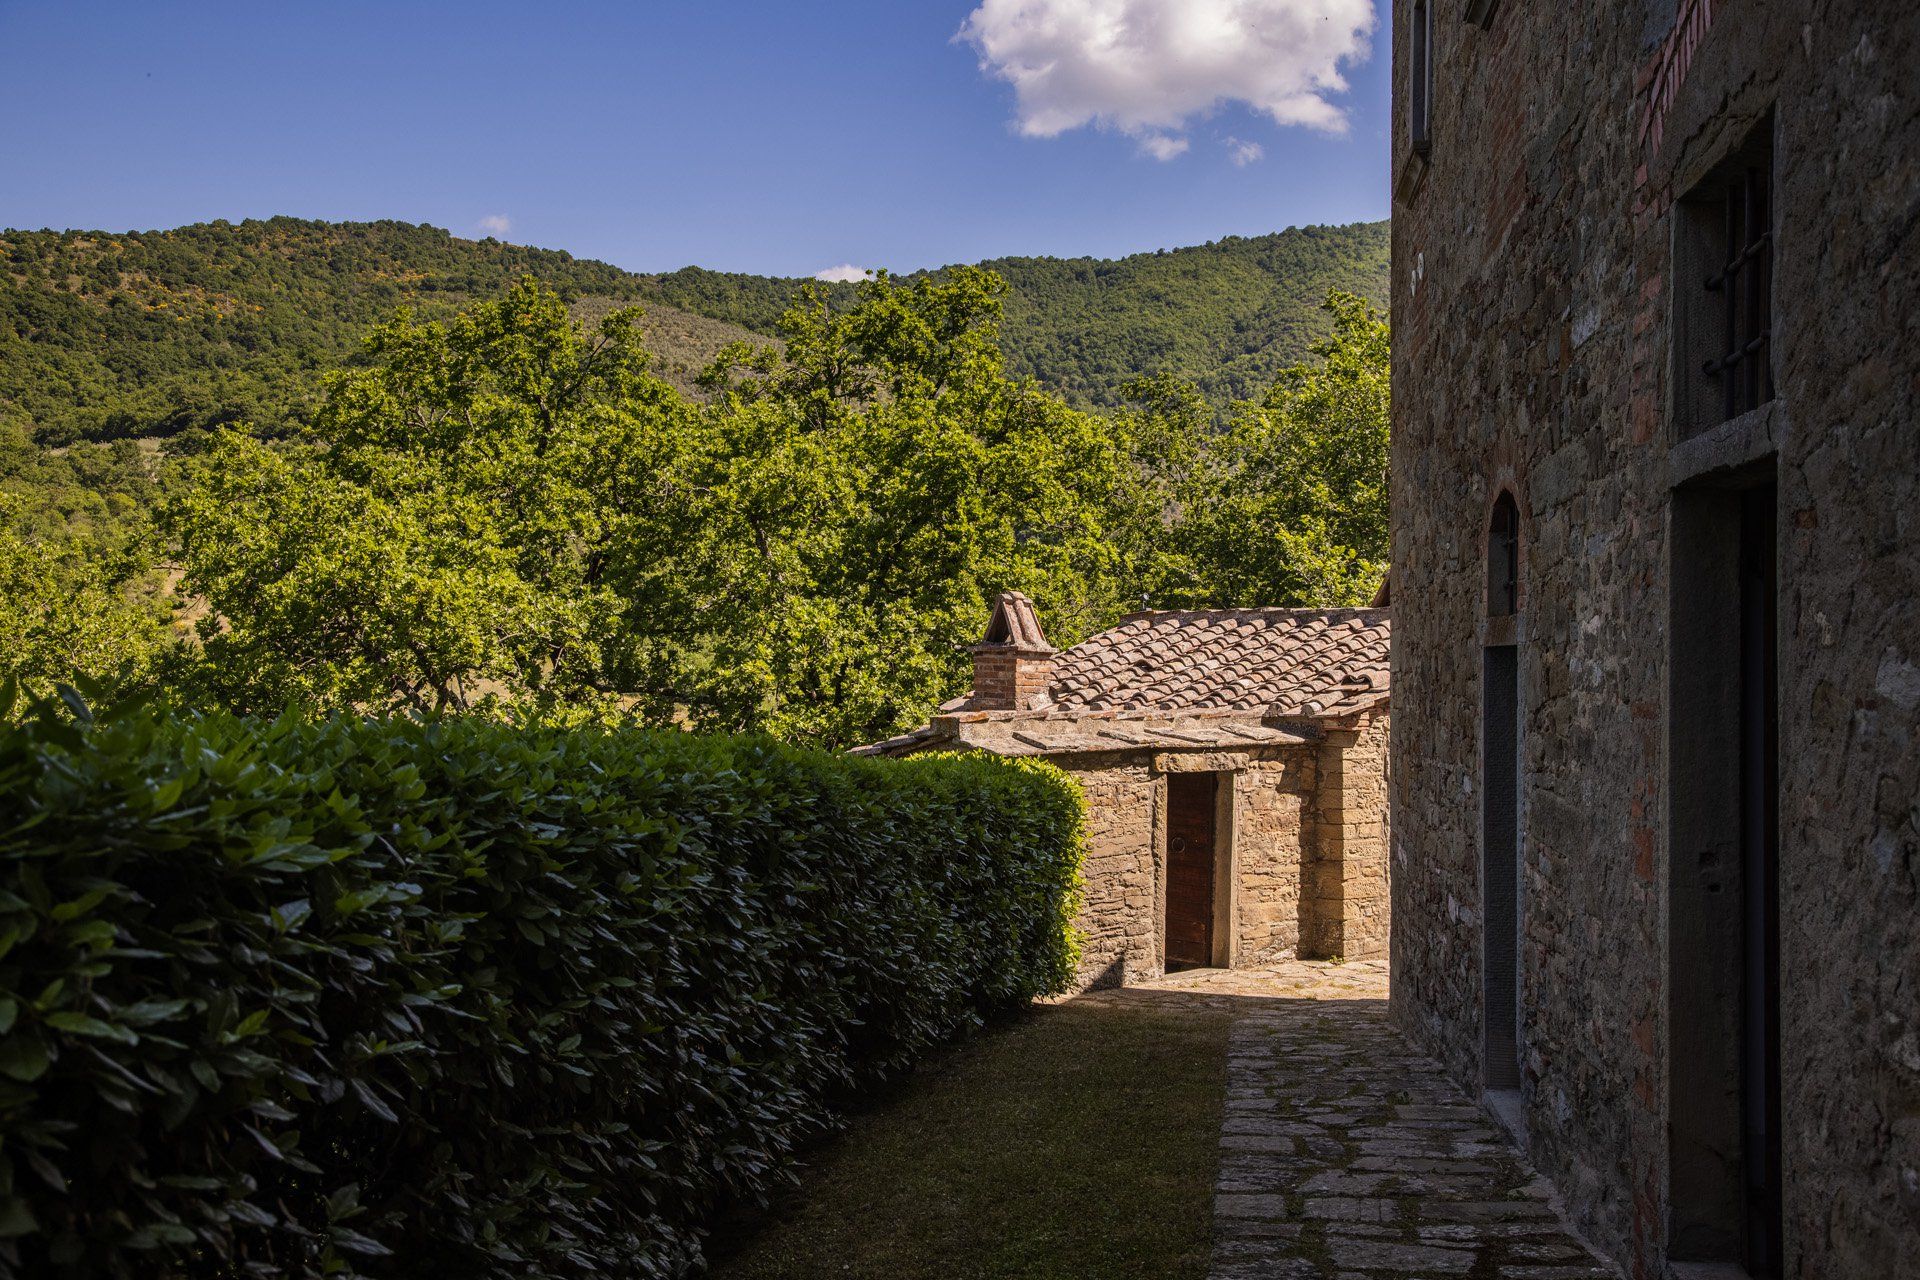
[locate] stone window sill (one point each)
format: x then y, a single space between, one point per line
1500 630
1721 452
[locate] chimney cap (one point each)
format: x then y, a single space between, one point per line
1015 626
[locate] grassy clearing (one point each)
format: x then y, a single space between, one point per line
1077 1144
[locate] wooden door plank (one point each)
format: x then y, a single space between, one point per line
1190 865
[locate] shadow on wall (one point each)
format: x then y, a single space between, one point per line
1112 974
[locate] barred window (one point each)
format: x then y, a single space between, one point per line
1743 369
1723 270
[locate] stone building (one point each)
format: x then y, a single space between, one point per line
1234 762
1656 773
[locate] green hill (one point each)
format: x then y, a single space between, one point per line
152 333
107 336
1227 315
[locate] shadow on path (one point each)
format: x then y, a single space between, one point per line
1346 1155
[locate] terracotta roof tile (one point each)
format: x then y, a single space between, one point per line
1290 661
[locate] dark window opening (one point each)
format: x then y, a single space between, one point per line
1500 865
1500 810
1744 366
1723 321
1760 887
1420 68
1503 559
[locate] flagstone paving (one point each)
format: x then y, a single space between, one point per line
1345 1155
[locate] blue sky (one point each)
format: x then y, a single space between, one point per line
782 138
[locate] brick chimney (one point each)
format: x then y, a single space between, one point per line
1013 663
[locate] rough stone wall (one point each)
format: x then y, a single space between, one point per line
1273 797
1346 910
1531 298
1119 913
1124 895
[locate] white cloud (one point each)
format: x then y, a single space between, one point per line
1162 146
1147 68
496 224
844 273
1244 153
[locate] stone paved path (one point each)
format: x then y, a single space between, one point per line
1347 1156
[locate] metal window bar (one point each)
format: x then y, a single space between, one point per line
1745 369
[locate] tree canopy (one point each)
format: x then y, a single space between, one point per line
510 507
1297 498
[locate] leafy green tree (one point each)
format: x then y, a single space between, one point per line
1297 508
82 599
77 608
1165 430
512 507
871 483
485 521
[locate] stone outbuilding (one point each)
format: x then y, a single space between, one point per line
1234 762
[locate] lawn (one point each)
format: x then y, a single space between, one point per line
1079 1142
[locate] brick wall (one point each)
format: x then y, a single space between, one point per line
1009 679
1532 293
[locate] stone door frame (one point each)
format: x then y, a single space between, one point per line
1226 768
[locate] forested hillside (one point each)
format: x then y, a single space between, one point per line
155 333
1226 316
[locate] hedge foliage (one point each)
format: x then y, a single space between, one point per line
455 998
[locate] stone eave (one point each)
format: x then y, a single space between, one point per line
1044 733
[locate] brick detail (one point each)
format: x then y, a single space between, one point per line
1006 678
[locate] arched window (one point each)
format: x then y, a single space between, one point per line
1503 559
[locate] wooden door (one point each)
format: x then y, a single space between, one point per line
1190 869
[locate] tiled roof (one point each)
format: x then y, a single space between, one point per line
1288 662
1211 678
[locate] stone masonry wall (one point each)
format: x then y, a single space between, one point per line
1346 909
1271 840
1532 295
1120 919
1120 904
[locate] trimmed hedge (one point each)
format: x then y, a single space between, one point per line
455 998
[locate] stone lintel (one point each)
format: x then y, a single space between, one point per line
1200 761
